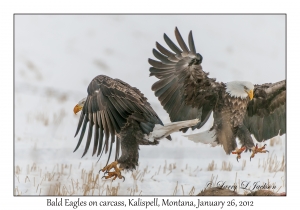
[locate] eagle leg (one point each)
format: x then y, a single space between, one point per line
114 174
257 149
238 152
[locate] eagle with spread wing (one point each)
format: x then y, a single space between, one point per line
120 114
239 108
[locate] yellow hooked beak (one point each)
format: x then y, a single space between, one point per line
250 94
77 108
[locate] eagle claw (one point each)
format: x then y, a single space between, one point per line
114 174
257 149
238 152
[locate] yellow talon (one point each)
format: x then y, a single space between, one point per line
114 174
257 149
238 152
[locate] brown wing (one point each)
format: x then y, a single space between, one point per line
183 89
110 102
266 113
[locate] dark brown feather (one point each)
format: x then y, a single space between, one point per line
172 45
164 50
191 43
180 41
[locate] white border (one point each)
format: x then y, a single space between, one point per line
8 8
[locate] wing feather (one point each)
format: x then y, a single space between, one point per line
161 57
172 45
181 42
161 83
89 138
106 130
159 65
191 43
96 134
118 145
164 50
79 123
101 133
160 73
168 90
82 132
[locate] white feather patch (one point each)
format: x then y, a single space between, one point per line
160 131
206 137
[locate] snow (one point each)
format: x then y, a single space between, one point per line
56 56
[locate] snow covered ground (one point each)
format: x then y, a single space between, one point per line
56 56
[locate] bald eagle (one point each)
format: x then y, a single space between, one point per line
239 108
120 114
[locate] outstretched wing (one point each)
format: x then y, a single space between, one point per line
266 113
110 102
183 89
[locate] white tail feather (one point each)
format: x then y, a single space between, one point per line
206 137
160 131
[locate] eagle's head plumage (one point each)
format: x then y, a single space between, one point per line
240 89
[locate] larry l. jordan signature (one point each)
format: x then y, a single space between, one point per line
246 185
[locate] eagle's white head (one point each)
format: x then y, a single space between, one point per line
79 106
240 89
